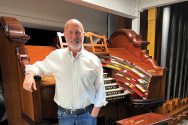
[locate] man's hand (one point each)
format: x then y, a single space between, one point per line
95 111
29 82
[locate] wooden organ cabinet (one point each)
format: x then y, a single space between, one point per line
134 83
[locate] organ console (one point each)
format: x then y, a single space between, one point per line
142 69
133 82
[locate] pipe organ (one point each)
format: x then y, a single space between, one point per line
131 78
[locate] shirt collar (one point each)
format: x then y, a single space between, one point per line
78 54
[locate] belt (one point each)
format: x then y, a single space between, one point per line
76 111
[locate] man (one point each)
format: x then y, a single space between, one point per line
79 91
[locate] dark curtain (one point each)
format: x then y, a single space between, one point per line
177 52
144 24
158 35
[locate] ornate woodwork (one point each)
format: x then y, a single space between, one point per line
133 81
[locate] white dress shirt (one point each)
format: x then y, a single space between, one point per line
79 80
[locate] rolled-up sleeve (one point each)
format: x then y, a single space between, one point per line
47 66
100 99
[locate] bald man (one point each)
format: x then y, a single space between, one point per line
79 91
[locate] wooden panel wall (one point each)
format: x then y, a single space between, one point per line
10 84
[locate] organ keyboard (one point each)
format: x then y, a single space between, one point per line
130 76
113 90
126 73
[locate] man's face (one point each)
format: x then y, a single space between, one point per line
74 36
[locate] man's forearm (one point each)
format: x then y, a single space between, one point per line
30 73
